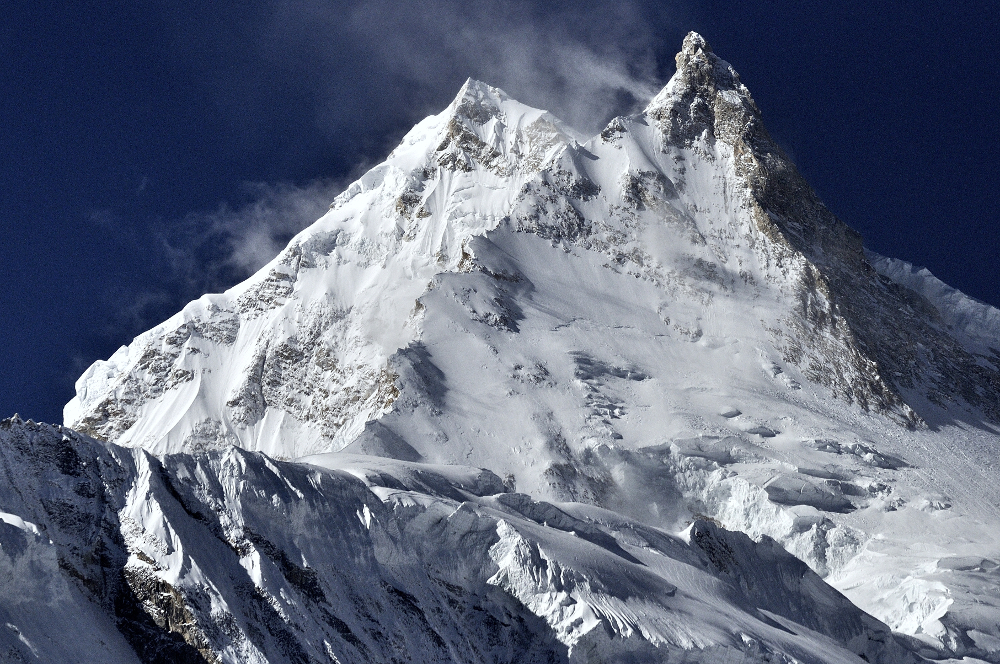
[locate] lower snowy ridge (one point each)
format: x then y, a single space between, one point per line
112 554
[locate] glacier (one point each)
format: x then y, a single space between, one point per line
524 395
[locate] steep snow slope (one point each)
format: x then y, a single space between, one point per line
293 360
232 557
663 321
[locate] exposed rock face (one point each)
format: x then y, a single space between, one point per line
705 104
852 320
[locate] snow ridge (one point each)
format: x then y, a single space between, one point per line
230 556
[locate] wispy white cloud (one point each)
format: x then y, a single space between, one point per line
583 61
209 250
204 252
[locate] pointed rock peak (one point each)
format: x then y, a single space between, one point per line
705 102
694 44
704 94
478 102
697 63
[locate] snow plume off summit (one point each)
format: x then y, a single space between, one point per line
523 395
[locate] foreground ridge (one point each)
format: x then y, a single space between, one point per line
230 556
647 338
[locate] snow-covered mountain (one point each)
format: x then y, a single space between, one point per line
645 338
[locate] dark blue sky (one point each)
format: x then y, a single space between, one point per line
152 151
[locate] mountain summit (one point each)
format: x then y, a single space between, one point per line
628 398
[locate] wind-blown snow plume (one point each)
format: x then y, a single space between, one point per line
245 238
586 70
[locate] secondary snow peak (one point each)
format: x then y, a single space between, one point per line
488 129
293 360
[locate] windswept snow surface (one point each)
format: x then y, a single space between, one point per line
659 327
